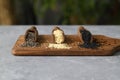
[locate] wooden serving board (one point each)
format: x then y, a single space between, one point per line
108 47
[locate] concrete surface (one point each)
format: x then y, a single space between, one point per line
56 68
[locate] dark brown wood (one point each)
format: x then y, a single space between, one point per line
108 47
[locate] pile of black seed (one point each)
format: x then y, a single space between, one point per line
30 41
86 36
92 45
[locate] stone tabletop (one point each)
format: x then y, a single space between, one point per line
56 67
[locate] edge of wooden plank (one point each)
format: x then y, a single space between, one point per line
52 53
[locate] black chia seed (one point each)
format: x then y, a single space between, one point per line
30 36
30 40
30 44
92 45
87 36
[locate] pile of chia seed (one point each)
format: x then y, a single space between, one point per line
30 44
30 40
86 36
92 45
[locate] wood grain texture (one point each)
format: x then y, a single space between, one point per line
108 47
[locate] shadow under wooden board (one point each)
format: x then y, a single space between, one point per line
108 46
